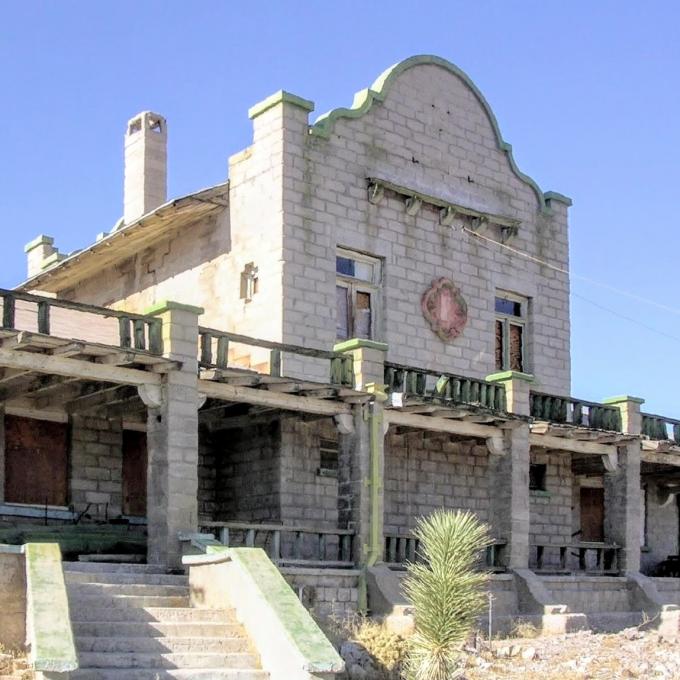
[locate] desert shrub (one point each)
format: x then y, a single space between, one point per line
446 590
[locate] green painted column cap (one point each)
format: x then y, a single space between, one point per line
280 97
560 198
622 399
168 305
502 376
42 240
359 343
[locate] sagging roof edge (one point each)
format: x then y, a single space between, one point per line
218 191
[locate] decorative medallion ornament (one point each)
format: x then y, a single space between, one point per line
445 309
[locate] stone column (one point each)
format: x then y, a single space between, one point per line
363 454
622 499
2 453
509 474
172 438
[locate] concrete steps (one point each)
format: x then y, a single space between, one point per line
134 621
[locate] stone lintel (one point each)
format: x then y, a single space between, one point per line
280 97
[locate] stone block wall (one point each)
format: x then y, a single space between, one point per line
248 473
590 594
329 594
431 133
551 510
207 475
96 466
307 497
661 530
669 589
426 471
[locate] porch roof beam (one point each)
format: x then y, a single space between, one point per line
263 397
74 368
547 441
448 425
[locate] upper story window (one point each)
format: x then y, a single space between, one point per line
511 314
357 284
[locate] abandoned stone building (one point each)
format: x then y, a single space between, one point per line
367 321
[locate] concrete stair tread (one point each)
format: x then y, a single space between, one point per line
127 601
151 614
169 660
163 645
168 674
115 629
73 578
116 567
125 589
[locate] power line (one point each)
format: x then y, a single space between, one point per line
561 270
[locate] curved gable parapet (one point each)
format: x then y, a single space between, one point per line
364 100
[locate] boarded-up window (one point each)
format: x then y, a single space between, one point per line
362 315
134 473
509 332
499 345
342 313
515 348
36 461
358 279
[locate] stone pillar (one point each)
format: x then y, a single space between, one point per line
361 482
2 453
172 438
622 499
509 474
368 361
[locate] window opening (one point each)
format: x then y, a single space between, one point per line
357 286
537 475
510 327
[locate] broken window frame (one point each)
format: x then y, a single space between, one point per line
354 286
507 320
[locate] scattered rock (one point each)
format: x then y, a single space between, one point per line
529 653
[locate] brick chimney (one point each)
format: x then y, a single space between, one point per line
146 165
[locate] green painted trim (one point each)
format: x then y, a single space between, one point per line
510 375
47 613
168 305
364 100
280 97
623 399
560 198
42 240
359 343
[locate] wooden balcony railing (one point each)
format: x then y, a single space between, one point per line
400 549
445 388
569 411
660 428
585 556
36 313
215 345
289 545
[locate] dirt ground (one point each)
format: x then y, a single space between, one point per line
578 656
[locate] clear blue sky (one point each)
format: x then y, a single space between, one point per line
588 93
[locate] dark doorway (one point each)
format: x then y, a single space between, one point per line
134 473
592 514
36 461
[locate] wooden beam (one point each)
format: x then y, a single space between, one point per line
660 458
102 397
288 402
546 441
73 368
459 427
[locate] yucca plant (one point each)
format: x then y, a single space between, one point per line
446 590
